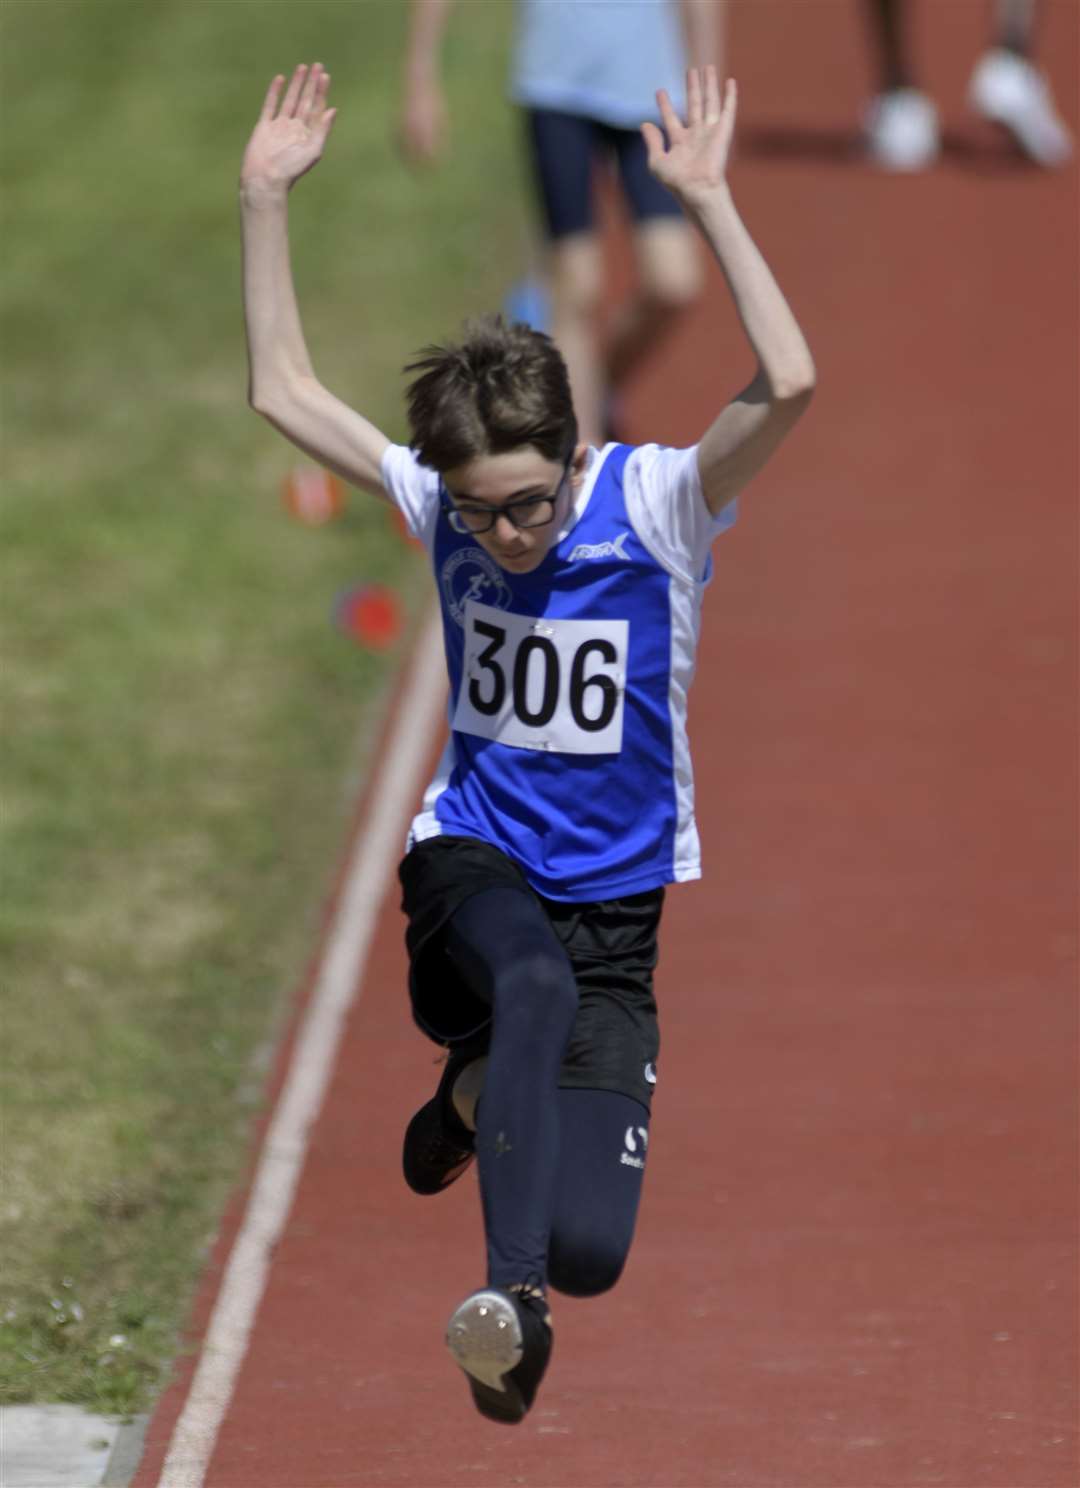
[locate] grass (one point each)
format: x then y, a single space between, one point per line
184 728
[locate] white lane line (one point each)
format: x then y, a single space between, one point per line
378 843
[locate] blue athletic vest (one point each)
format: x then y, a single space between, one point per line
568 706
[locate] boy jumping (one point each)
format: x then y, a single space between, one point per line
571 581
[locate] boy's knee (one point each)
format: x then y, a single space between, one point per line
585 1266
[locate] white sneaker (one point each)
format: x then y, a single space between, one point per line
901 130
1011 91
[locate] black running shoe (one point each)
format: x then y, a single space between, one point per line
502 1341
438 1145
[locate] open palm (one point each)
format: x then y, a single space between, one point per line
288 140
694 160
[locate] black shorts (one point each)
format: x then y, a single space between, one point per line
565 149
615 1043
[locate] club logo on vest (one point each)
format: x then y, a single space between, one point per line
602 550
637 1144
471 574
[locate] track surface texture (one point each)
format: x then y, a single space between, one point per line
856 1260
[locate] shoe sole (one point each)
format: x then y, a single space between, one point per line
1022 138
484 1337
423 1120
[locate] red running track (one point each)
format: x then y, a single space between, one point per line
856 1263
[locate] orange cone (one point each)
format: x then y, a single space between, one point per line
313 496
371 615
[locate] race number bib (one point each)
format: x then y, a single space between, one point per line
543 684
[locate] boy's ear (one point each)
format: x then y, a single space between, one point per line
579 461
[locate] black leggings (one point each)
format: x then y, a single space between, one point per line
560 1170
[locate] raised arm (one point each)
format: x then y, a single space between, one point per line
286 142
424 122
693 165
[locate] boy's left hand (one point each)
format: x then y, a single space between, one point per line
694 161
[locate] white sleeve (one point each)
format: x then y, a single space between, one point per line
414 490
667 507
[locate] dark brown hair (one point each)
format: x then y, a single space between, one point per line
499 387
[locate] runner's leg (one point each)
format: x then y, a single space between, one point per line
669 282
502 943
669 278
563 150
887 20
575 272
604 1142
1015 25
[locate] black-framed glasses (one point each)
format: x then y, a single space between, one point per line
526 512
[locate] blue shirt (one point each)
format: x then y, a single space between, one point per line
603 59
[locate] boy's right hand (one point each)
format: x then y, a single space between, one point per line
287 142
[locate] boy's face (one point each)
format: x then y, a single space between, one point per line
525 498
